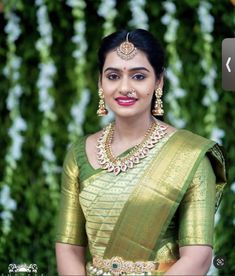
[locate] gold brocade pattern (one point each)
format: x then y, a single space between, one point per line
91 208
103 199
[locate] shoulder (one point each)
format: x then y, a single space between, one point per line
194 140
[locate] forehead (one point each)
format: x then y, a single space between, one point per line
139 60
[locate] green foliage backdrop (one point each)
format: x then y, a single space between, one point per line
191 31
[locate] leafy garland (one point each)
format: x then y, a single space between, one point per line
82 93
47 71
107 10
211 97
139 16
174 70
14 152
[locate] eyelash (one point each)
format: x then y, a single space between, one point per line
113 77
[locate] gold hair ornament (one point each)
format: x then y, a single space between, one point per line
126 50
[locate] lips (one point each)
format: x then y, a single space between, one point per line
126 101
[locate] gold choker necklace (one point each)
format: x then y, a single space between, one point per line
115 164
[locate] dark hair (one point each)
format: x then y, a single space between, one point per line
143 40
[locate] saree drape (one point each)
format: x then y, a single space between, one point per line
145 213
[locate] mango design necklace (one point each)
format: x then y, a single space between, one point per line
116 164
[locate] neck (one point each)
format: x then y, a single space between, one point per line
131 129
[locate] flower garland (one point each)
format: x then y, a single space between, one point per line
82 93
173 73
139 16
47 71
107 10
14 152
9 205
78 115
211 97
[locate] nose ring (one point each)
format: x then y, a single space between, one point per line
131 93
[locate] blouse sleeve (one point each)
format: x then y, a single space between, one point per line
197 209
71 221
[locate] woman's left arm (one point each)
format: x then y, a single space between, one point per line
196 224
194 260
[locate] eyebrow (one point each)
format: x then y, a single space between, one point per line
132 69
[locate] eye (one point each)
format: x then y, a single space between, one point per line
138 76
112 76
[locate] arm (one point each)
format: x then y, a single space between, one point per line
196 224
194 260
71 239
70 259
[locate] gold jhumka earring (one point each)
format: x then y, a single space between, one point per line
158 106
102 111
126 50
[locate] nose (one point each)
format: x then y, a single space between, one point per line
124 86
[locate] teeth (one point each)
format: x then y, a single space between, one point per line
126 101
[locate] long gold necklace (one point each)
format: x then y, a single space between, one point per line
116 164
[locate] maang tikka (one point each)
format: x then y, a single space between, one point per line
102 111
158 105
126 49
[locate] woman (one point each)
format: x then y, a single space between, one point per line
140 193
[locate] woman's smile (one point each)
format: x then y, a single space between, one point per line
126 101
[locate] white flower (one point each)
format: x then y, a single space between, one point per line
172 77
20 124
6 215
139 17
105 7
177 122
39 2
77 39
80 27
12 27
5 200
16 62
48 68
233 187
217 135
12 101
48 155
169 7
76 4
179 92
206 20
166 19
16 146
4 194
48 141
78 113
171 33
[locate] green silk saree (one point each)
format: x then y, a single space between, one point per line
168 200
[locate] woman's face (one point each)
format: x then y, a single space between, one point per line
122 76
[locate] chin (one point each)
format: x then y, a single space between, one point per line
128 113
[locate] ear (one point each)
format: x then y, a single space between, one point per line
160 82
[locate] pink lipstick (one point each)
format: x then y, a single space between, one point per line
126 101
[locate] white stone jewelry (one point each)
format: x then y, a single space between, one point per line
116 164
